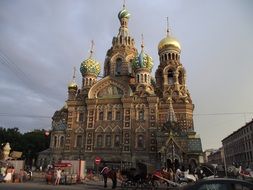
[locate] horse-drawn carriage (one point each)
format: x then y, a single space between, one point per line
139 177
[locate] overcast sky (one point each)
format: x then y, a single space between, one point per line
41 41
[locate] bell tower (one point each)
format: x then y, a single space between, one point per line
119 56
171 80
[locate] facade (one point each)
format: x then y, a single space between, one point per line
206 153
216 157
238 146
128 116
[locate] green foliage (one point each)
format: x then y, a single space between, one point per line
30 143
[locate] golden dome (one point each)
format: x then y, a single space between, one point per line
169 41
72 85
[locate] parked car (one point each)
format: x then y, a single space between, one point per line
219 184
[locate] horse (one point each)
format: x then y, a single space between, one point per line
112 174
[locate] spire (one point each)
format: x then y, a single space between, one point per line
168 29
74 74
171 114
142 43
91 49
124 4
72 84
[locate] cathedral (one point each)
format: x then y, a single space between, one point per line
128 116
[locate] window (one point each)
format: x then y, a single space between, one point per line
62 141
99 141
101 116
170 77
55 141
141 115
118 115
117 141
109 115
81 115
79 141
118 66
140 141
108 140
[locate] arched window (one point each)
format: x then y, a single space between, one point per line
90 81
170 77
108 141
118 115
81 116
140 141
62 141
55 141
117 141
145 77
141 77
138 78
118 66
79 141
109 115
169 56
99 141
173 56
101 116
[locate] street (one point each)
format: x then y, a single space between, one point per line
35 185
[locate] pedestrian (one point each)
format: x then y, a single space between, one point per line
104 172
21 175
58 176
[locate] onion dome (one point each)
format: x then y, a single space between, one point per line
90 66
123 14
72 84
143 60
169 40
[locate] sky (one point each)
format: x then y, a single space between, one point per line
41 41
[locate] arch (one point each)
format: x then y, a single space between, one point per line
117 129
173 56
169 56
138 78
105 83
99 129
140 129
108 129
165 57
145 78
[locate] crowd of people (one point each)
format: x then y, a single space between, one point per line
9 174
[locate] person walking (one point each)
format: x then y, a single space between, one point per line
58 176
104 172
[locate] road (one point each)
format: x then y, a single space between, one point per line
35 185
